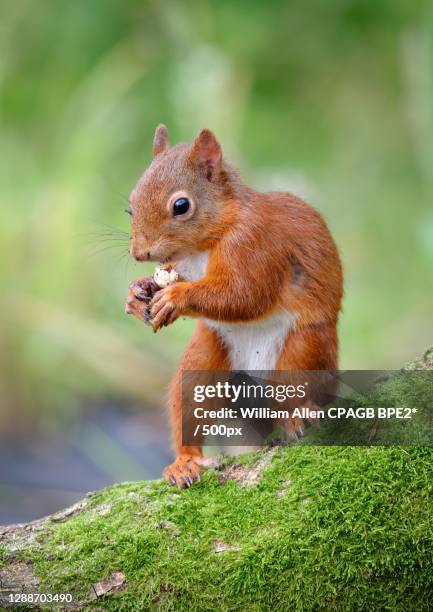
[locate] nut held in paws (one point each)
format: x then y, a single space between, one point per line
164 278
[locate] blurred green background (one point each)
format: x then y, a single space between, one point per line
332 100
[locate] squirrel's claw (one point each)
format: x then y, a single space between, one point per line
182 473
144 288
163 311
150 305
294 427
140 293
166 315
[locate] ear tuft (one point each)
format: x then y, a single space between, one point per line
160 140
206 151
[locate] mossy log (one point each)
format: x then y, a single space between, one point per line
288 528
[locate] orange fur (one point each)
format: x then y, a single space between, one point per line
266 252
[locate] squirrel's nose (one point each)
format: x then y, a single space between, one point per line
143 256
139 254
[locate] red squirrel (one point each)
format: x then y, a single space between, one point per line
258 271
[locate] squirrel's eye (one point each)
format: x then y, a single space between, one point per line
128 211
180 207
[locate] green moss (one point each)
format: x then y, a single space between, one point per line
3 554
402 389
341 528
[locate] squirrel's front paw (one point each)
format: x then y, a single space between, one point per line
183 472
165 308
140 294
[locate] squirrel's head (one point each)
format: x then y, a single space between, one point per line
179 205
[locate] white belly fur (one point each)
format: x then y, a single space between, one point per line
253 345
193 267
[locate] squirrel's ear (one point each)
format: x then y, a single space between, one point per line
160 140
206 152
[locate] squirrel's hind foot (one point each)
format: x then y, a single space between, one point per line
183 472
